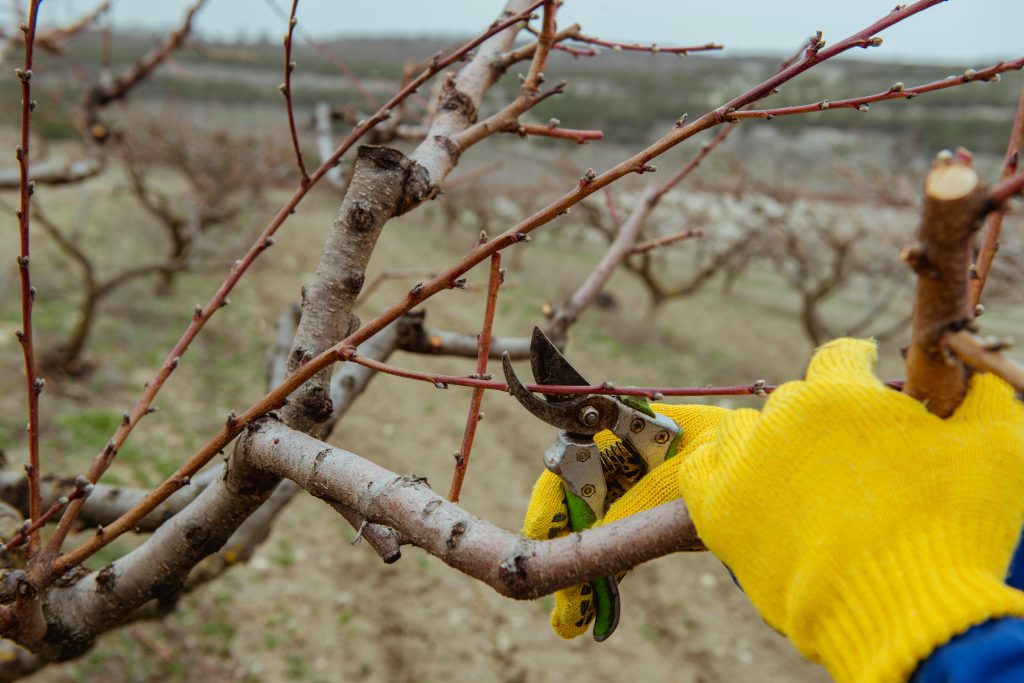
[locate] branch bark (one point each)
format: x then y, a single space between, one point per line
507 562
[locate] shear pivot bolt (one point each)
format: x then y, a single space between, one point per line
661 437
588 490
637 425
589 416
582 455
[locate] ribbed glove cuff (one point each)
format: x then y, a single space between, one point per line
893 611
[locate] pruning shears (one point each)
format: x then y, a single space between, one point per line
593 479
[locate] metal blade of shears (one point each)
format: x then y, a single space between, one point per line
551 367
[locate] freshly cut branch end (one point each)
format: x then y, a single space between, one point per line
954 204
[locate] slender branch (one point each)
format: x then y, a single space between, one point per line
606 388
895 92
414 337
286 90
609 202
494 281
569 311
102 94
638 163
986 356
328 55
579 136
33 383
54 40
527 51
994 225
693 163
652 48
507 119
546 38
265 240
665 240
1002 192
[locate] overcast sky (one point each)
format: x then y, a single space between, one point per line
966 32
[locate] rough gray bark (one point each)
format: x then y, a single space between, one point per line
79 608
512 565
385 183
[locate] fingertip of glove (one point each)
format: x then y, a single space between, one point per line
844 359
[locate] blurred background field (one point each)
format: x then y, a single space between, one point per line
309 607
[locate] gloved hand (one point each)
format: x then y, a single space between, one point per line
866 529
547 516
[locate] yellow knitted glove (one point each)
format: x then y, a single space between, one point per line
547 516
863 527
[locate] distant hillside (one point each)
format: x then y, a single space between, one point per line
628 96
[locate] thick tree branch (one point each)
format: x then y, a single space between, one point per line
954 200
512 565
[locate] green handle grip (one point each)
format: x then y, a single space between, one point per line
606 591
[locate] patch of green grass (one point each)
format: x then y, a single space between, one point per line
285 555
297 667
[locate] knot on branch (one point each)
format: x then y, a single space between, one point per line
457 102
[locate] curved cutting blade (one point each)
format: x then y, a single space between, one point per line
550 366
566 412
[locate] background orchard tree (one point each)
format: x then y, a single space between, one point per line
190 539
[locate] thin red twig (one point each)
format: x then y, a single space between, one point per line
638 163
579 136
606 388
494 281
896 91
714 142
994 226
576 51
265 240
609 201
1002 192
665 240
33 383
693 163
653 48
327 54
286 90
82 489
